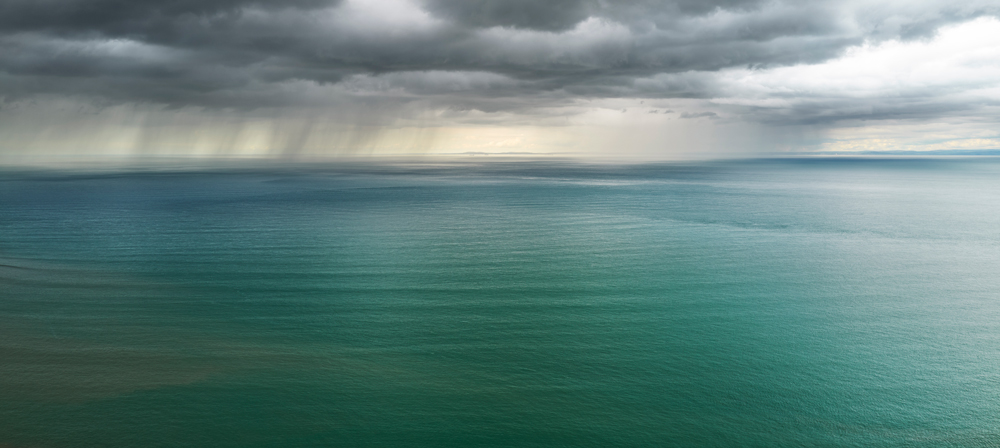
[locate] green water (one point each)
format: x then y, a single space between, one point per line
758 303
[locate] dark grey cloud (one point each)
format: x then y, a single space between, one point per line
126 17
488 55
554 15
699 115
560 15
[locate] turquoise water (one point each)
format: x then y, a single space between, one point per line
769 303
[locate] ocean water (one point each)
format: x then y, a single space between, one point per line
819 302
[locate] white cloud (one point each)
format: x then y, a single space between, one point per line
960 64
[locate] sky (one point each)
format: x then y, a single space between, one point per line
629 79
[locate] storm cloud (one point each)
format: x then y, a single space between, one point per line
502 61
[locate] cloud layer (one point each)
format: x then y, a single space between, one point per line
507 62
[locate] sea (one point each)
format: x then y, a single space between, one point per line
804 302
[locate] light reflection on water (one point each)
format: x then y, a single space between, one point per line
770 303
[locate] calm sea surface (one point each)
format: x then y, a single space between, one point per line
761 303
